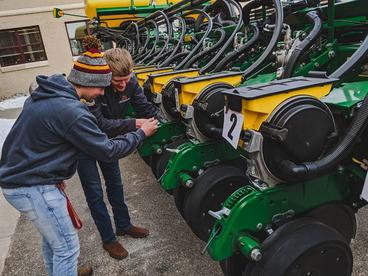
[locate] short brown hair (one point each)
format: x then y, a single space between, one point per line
120 61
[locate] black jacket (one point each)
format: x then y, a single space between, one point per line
110 109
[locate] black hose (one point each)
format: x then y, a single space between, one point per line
207 51
231 56
307 42
143 50
292 172
177 56
195 49
357 58
274 39
149 54
180 41
169 35
215 59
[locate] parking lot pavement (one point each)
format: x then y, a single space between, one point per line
171 249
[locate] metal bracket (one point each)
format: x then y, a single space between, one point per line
218 215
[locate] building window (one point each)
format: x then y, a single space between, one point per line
21 45
76 31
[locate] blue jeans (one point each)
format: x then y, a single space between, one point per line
91 183
45 207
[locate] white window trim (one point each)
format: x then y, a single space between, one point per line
23 66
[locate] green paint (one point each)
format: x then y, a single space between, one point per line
252 210
194 156
166 132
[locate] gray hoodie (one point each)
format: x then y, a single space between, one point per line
53 128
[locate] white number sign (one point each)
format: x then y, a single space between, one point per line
233 122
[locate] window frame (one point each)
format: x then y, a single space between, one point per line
89 32
19 46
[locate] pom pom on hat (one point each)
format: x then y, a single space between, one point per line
91 69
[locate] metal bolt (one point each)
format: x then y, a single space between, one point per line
259 226
256 255
194 168
159 151
189 183
331 54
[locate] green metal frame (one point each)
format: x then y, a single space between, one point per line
166 132
253 210
191 157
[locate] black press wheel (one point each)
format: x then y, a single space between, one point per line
234 265
303 247
338 216
210 190
180 194
159 161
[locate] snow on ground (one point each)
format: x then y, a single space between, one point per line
5 126
17 102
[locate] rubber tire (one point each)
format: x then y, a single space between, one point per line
234 265
293 241
204 185
338 216
159 162
180 196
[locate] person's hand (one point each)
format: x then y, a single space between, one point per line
149 127
139 122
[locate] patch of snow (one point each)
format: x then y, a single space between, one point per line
5 126
12 103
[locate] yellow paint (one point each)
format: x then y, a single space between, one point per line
190 91
257 111
158 82
114 21
143 75
141 68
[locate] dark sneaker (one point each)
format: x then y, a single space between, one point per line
115 250
85 270
134 232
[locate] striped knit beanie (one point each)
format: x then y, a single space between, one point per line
91 69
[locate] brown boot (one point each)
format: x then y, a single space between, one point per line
134 232
115 250
85 270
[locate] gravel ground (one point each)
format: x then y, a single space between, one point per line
171 249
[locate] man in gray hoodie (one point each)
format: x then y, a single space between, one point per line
42 150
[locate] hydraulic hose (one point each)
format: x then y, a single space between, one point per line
230 40
292 172
143 50
180 41
231 56
152 50
177 56
314 18
358 57
274 39
169 35
299 172
195 49
205 52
